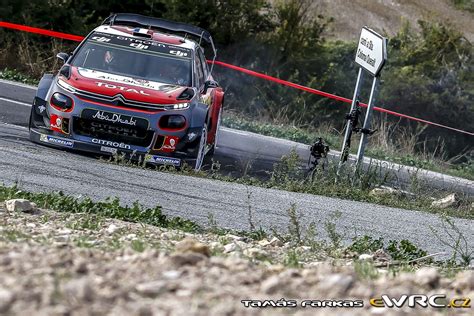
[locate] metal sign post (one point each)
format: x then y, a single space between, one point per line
366 128
347 136
370 56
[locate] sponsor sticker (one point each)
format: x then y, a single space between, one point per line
55 122
163 160
115 118
108 149
56 141
169 145
110 143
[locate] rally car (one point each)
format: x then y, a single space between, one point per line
135 86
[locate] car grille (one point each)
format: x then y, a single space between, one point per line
120 101
113 132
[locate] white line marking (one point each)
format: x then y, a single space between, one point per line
23 85
16 126
16 102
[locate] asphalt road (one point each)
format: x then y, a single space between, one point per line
38 168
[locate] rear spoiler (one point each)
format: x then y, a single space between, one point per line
131 19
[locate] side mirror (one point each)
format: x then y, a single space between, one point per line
209 84
63 56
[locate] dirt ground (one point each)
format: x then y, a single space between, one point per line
386 16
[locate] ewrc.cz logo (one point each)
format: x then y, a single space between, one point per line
435 300
57 141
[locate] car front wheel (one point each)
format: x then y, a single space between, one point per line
202 149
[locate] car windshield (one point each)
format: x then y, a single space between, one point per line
136 58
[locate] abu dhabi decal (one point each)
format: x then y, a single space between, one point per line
110 143
56 141
114 118
163 160
125 122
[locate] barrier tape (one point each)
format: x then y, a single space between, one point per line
36 30
78 38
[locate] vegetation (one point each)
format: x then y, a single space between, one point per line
110 208
467 5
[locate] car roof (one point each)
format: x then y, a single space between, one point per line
170 39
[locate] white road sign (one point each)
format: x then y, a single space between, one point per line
371 51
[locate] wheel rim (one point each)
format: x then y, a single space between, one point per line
202 149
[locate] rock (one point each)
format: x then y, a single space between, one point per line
81 266
366 257
80 290
172 274
192 245
448 201
190 258
151 289
111 229
235 238
336 284
230 248
464 281
31 225
20 205
275 242
381 256
428 277
270 285
131 236
65 231
6 300
264 242
382 191
255 253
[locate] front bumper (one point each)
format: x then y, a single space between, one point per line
51 139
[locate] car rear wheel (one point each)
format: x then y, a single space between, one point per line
202 149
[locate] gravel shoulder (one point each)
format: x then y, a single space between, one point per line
55 263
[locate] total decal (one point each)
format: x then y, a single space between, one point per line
110 143
121 88
169 144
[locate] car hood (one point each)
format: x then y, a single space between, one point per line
108 84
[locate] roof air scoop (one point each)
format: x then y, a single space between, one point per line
142 32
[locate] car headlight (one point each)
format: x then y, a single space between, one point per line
61 102
66 86
177 106
172 122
